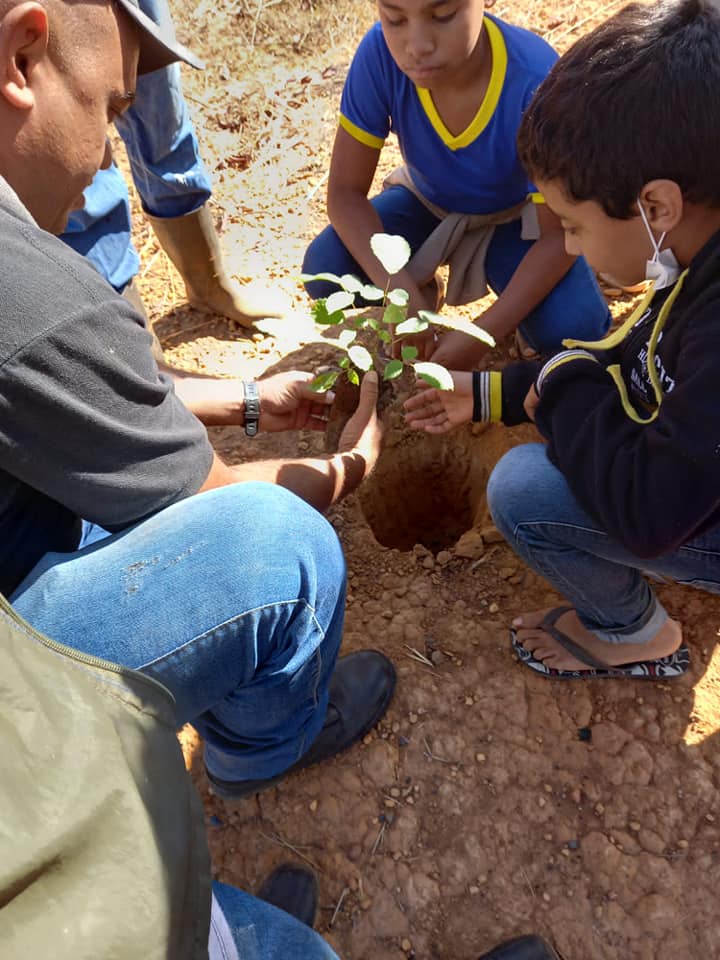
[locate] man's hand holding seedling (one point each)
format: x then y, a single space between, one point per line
287 402
359 445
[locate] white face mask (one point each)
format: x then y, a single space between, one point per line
663 268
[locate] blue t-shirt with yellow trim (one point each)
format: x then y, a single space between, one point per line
477 171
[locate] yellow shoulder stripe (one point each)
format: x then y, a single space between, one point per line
498 51
357 133
616 338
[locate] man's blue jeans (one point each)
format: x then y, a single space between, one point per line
233 599
575 308
166 167
534 509
262 932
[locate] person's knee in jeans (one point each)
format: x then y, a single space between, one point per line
400 213
328 254
575 307
513 486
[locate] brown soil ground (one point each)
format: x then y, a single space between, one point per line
475 811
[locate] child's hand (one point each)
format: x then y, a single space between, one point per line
437 411
425 344
458 351
426 297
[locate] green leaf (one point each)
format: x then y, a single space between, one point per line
393 370
456 323
360 357
330 277
346 338
344 363
411 325
399 297
392 250
435 375
351 283
369 292
409 353
384 336
372 323
394 314
340 300
353 377
324 381
322 316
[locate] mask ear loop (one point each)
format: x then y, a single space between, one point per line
656 244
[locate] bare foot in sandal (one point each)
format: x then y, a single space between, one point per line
549 651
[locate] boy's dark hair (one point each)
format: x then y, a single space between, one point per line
636 99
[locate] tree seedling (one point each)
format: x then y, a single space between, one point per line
381 334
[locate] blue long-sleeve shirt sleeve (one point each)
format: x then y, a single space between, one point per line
166 166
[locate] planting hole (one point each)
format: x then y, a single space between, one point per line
424 490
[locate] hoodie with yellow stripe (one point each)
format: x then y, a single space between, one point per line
633 421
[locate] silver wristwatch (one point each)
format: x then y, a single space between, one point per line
252 407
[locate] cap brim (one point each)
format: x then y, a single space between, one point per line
159 47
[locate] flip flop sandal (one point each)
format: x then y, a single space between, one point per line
666 668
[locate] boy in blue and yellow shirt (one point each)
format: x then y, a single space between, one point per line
452 83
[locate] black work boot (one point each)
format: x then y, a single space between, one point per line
529 947
294 889
361 689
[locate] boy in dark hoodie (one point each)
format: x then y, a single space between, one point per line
622 138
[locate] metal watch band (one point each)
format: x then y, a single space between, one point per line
252 407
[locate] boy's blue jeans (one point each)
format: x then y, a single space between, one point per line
575 308
166 167
262 932
233 599
534 509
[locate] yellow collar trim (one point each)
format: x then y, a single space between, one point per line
619 335
498 51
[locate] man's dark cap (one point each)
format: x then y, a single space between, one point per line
159 47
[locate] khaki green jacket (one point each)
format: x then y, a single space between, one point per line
103 854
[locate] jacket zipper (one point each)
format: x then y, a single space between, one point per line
78 656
